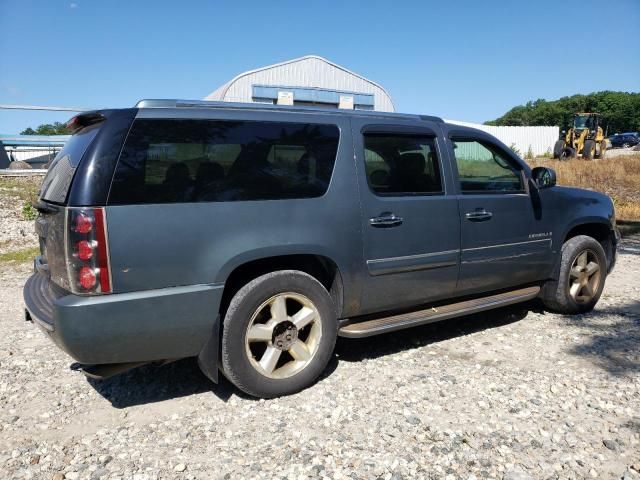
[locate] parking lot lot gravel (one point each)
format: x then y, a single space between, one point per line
498 395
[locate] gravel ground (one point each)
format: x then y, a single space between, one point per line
620 152
16 233
490 396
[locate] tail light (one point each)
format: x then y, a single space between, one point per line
87 251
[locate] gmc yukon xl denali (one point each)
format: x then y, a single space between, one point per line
251 236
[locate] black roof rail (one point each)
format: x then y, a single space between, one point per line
177 103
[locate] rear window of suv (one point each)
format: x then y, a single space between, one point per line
175 161
56 183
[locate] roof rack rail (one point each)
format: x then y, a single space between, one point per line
177 103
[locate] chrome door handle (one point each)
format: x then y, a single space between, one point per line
478 215
386 220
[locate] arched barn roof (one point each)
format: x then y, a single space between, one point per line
304 74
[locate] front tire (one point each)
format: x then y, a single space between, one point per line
580 278
278 335
558 149
589 149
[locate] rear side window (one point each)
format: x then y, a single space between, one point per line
56 183
399 165
173 161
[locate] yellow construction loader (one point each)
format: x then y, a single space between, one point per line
585 137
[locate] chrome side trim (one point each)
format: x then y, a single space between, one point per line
507 244
411 257
412 263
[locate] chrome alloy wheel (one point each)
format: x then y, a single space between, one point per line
283 335
584 277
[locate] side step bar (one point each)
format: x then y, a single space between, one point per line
376 326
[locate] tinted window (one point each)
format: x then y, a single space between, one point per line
56 183
401 165
165 161
482 167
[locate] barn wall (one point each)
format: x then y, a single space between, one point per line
540 139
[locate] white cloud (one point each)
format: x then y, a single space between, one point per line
73 5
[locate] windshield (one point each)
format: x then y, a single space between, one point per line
583 121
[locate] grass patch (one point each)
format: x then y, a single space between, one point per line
618 177
26 189
20 256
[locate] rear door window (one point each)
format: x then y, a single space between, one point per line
56 183
400 165
174 161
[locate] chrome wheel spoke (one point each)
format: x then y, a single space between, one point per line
299 351
266 342
270 359
575 289
305 316
592 268
260 333
584 277
278 308
582 259
588 289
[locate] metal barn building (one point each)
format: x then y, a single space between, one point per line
309 80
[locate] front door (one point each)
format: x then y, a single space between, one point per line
505 240
410 223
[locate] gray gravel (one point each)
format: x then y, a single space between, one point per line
491 396
16 233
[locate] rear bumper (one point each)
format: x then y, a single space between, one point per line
143 326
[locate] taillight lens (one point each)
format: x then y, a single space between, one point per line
87 251
83 223
87 278
84 249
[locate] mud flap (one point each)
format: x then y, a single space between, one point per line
209 357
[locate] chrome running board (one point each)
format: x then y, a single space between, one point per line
376 326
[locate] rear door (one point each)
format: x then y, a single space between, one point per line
410 223
505 239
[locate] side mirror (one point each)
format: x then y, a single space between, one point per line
543 177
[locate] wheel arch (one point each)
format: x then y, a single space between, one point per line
600 230
238 273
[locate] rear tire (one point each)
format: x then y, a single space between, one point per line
588 149
580 277
570 152
558 149
278 335
603 149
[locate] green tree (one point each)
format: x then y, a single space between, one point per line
620 111
55 128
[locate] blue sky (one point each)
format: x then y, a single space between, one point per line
467 60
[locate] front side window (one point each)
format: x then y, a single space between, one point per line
482 167
398 165
174 161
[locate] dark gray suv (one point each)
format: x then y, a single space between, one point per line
250 236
